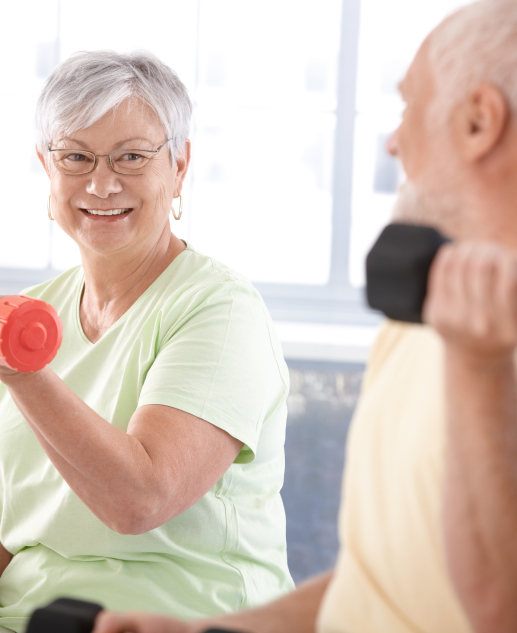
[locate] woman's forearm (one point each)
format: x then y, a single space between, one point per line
101 500
108 469
480 513
133 481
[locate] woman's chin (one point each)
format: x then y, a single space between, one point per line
91 242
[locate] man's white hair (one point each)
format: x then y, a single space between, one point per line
477 44
87 85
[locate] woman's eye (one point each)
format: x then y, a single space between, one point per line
131 157
75 157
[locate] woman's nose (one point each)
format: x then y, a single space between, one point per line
103 180
392 145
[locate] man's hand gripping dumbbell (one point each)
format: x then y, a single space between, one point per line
402 267
67 615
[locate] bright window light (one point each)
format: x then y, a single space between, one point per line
390 35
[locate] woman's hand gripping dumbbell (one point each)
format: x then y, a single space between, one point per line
30 333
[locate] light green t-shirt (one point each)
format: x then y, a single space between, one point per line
199 339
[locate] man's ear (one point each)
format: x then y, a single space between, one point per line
42 161
480 122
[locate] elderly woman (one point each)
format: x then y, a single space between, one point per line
142 467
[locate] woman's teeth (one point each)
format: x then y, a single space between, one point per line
110 212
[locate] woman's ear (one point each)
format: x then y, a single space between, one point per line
182 163
480 122
42 161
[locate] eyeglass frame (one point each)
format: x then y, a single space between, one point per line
60 149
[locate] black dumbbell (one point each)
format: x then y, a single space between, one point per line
397 268
64 616
67 615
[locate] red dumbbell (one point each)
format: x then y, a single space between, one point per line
30 333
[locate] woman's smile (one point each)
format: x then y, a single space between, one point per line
106 215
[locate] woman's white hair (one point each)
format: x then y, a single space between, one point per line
477 44
87 85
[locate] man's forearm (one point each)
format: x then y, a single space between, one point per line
297 611
294 613
480 511
5 558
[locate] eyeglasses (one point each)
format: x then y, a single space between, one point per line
130 162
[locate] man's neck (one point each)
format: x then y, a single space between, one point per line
490 214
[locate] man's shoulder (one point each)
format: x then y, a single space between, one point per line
401 344
391 334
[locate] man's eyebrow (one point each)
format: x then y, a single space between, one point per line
117 145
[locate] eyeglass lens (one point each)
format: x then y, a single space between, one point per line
80 162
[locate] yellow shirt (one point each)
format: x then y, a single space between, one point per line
391 575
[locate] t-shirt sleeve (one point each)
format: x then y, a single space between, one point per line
221 362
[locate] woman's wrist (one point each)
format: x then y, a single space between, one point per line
12 378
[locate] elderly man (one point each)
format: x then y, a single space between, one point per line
429 517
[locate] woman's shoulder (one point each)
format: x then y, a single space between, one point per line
210 268
195 274
201 289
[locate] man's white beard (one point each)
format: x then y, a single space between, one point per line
407 205
438 209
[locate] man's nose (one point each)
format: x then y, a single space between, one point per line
103 180
392 145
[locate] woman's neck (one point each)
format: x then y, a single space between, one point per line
113 282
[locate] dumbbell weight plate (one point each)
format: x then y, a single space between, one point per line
65 615
397 268
30 333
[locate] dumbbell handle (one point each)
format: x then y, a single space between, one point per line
30 333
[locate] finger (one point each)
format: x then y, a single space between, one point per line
481 273
439 291
109 622
506 293
137 622
463 283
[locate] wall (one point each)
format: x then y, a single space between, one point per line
321 403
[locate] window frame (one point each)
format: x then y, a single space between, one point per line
336 302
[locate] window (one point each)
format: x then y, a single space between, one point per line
294 101
390 35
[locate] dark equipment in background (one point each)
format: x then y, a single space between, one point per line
397 268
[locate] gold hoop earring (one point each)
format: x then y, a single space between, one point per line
180 211
49 210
